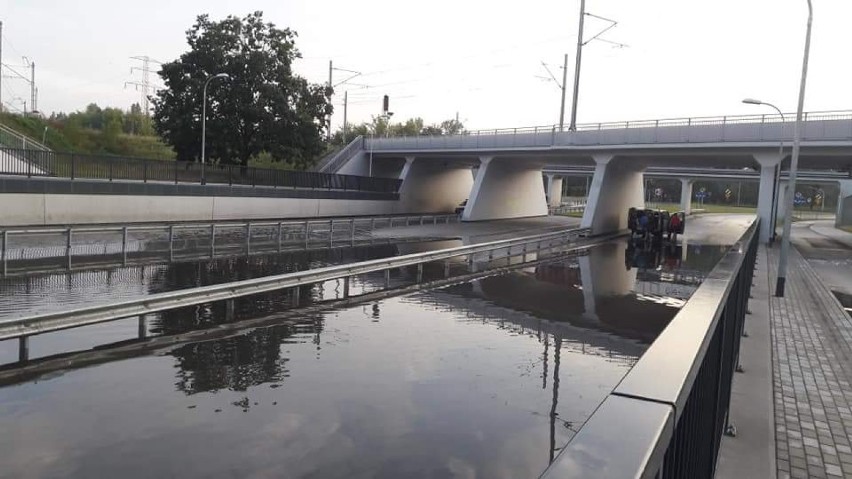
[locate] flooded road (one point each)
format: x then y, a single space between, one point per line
486 378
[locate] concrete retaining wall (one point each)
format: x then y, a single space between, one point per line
56 209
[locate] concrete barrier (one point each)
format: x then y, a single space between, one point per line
24 209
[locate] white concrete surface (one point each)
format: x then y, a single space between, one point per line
686 195
55 209
844 204
752 452
616 187
554 190
431 187
767 162
506 189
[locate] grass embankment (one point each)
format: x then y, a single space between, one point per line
59 137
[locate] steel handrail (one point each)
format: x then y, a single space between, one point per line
26 142
54 321
632 430
660 122
207 224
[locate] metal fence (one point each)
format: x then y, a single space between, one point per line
335 160
39 248
12 139
818 126
38 163
534 246
667 416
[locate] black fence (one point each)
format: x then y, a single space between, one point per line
33 163
667 416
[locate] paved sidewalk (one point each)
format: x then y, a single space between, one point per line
812 375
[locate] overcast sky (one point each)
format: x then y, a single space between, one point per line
480 59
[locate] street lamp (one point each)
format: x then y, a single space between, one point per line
794 163
775 186
223 76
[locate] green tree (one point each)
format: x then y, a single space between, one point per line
264 107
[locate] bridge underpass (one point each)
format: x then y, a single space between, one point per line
619 152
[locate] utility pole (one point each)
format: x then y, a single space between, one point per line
332 85
562 104
345 108
330 72
561 86
573 125
32 88
580 45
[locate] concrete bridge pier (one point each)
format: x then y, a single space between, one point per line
554 190
504 189
686 195
616 186
766 195
844 204
433 186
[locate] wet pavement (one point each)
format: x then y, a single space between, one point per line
829 252
486 378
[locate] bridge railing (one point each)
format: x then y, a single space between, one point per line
533 245
12 139
667 416
334 161
818 126
72 166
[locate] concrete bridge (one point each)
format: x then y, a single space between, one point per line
499 171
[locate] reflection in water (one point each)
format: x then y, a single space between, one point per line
486 378
61 291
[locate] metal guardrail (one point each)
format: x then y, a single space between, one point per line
35 163
819 126
684 121
13 139
334 161
42 243
666 417
24 327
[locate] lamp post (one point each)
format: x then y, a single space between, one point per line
794 163
223 76
776 184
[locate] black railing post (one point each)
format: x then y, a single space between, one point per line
110 169
230 175
72 166
144 171
254 177
176 172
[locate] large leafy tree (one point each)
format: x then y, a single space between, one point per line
264 107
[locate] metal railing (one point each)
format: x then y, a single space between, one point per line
37 163
61 247
12 139
666 417
23 327
818 126
335 160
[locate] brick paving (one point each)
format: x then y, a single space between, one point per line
812 375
